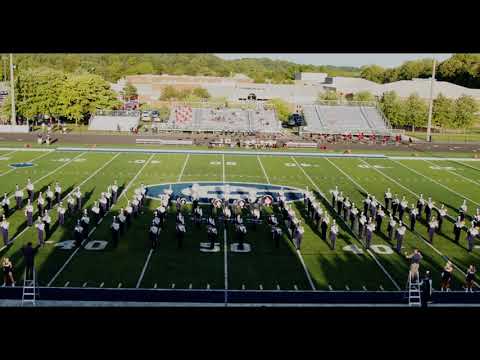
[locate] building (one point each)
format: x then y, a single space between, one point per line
304 91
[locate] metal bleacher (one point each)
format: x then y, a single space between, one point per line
345 118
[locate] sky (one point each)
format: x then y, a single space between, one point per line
357 60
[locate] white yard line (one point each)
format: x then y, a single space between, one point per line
263 169
183 168
436 182
52 172
71 192
368 250
225 264
310 281
456 174
461 163
426 242
144 268
223 167
91 231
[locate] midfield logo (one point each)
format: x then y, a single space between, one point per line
22 165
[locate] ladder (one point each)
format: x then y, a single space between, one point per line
30 289
413 290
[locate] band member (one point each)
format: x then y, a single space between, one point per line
413 216
115 231
212 234
40 225
446 276
432 226
379 218
29 213
333 234
420 206
347 205
402 207
61 214
400 233
78 196
135 204
153 234
114 192
361 225
141 201
197 216
180 219
354 217
366 204
391 228
49 197
395 205
334 196
85 222
18 197
71 204
457 228
369 229
373 207
476 218
122 220
469 278
40 204
58 192
388 198
162 214
103 205
180 232
95 212
4 227
324 226
442 212
227 213
30 188
108 196
463 210
340 203
5 205
239 220
47 221
276 235
298 236
471 235
256 217
318 215
128 213
428 209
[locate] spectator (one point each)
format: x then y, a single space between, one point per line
426 289
7 272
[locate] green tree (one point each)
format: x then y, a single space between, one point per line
168 93
465 109
373 73
201 93
282 109
443 114
129 91
393 109
363 96
416 111
329 95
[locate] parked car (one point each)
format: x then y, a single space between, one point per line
146 116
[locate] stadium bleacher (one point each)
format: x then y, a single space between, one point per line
337 119
224 119
118 120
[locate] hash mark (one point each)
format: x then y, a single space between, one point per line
101 285
330 287
66 284
119 285
295 287
84 284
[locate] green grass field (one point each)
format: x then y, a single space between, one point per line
316 266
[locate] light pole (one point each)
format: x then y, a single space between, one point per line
430 108
13 119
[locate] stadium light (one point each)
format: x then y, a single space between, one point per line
430 107
13 119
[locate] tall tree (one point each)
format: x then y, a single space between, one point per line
129 92
465 112
373 73
282 109
416 111
392 107
443 111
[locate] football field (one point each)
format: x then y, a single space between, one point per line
132 264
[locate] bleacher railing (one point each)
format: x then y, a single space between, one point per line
118 113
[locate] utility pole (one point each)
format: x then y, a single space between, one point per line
430 108
13 120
